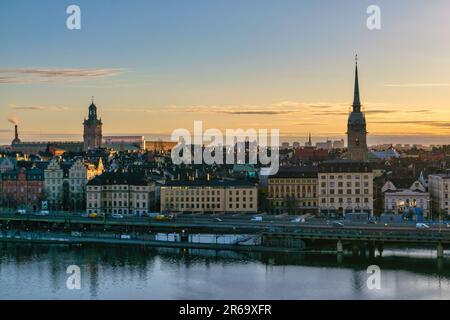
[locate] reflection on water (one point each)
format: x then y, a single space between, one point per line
39 272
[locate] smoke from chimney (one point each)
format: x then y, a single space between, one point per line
14 120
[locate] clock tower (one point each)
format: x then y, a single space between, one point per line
92 129
356 127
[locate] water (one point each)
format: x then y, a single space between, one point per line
39 272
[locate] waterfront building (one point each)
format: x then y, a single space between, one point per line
356 127
202 196
118 193
402 200
92 135
345 186
65 183
293 191
439 188
22 188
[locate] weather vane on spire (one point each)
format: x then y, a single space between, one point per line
92 99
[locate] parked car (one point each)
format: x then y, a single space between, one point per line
218 220
422 226
93 215
117 216
21 211
258 219
160 217
125 237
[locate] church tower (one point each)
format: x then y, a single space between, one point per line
356 127
92 129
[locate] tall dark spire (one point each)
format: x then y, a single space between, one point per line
356 100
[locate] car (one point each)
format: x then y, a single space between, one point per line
85 215
422 226
160 217
296 220
117 216
218 220
258 219
337 224
92 215
21 211
125 237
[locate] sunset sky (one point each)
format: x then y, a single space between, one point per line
155 66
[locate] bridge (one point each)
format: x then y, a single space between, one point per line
270 233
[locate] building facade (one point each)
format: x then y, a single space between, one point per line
345 186
23 188
209 197
439 188
118 193
293 191
65 183
92 135
356 128
400 201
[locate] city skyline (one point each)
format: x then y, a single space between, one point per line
226 67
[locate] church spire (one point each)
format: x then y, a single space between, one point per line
356 100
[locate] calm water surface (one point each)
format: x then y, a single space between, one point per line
39 272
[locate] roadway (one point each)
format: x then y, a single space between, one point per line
268 223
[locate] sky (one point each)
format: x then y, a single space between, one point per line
155 66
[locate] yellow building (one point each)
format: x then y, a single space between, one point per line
293 191
209 197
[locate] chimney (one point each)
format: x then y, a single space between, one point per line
16 135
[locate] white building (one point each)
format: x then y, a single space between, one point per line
345 186
439 188
118 193
401 200
65 183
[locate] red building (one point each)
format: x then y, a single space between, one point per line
22 188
